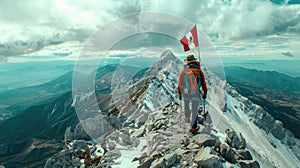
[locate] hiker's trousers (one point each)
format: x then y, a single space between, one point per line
193 108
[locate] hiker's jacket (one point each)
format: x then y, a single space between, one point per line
181 78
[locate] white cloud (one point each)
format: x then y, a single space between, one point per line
28 26
235 19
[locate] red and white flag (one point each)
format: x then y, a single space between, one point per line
190 40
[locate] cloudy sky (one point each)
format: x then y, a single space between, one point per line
252 27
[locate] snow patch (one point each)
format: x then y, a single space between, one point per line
127 155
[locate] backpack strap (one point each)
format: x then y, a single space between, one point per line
185 77
199 78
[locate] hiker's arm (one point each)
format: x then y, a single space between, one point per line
180 83
203 82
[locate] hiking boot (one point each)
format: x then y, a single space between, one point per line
187 119
194 130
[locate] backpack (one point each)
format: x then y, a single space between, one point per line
191 79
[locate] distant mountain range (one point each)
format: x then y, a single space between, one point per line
44 123
277 93
19 99
42 114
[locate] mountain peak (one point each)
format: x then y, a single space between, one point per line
167 54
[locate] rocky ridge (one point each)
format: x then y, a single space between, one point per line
151 134
167 145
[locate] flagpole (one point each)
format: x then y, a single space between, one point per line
199 54
198 46
203 100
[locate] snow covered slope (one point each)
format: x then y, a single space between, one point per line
268 140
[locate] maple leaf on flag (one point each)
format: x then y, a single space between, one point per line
190 40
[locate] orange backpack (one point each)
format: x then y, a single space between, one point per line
191 79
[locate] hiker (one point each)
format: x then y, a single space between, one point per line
190 79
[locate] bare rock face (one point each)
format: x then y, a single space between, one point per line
277 131
263 119
207 158
235 140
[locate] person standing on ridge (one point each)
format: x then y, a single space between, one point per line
190 81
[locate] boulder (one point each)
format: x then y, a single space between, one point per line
167 161
170 159
146 163
162 148
227 153
140 132
159 164
204 140
242 141
141 120
243 155
207 158
248 164
111 145
193 146
235 140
